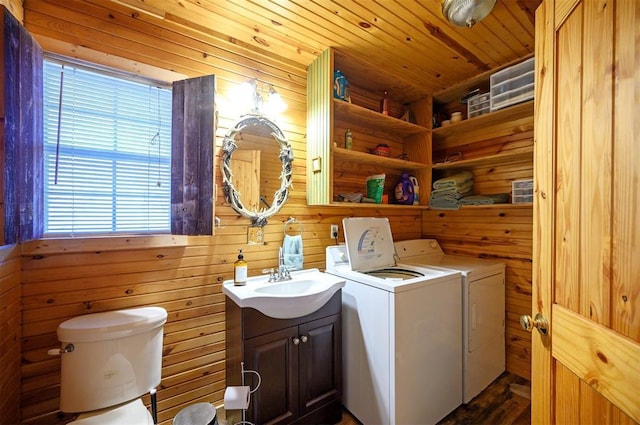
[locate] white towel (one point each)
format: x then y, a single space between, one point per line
292 252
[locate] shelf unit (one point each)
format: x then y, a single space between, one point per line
497 147
333 169
366 117
489 160
482 122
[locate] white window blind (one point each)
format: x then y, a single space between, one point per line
109 169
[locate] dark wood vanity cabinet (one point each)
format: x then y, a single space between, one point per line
299 361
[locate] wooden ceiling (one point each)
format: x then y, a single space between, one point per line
408 41
409 44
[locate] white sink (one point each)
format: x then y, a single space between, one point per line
306 292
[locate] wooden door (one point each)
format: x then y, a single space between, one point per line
245 167
587 213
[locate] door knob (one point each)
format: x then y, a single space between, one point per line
540 323
296 340
304 338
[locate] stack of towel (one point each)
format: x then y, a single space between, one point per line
448 191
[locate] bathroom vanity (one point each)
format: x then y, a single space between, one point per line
299 360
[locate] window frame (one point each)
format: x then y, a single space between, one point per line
136 78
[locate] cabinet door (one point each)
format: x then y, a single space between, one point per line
275 357
320 363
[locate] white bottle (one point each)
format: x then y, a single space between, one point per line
416 190
240 269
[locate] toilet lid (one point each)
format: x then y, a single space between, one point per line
131 413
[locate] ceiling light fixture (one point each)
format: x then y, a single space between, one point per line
465 13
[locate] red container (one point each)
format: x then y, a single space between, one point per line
382 150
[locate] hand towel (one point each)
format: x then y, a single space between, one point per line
292 252
453 180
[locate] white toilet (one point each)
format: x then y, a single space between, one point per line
109 360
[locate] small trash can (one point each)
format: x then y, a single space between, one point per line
197 414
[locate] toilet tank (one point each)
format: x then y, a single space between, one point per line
116 357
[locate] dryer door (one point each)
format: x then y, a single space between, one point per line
484 357
484 323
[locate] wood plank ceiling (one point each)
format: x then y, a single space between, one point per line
415 50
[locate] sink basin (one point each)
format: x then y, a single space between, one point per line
306 292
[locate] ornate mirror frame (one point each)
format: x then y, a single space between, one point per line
229 145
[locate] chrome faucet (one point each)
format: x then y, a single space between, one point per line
282 273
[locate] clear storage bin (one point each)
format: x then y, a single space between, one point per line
512 85
478 105
522 191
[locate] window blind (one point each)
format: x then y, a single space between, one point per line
109 169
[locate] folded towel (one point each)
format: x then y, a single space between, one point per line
498 198
453 180
463 188
292 252
450 197
444 204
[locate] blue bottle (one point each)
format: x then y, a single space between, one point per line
404 190
340 85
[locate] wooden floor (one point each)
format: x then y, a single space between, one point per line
497 405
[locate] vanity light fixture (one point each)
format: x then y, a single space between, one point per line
262 98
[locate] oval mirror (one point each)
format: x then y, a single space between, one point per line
256 162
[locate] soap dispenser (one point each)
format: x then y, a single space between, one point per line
240 271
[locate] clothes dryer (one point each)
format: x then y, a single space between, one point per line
483 307
401 329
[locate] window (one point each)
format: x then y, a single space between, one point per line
107 153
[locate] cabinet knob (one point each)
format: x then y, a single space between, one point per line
304 338
296 340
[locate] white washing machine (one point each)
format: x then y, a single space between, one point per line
483 306
401 330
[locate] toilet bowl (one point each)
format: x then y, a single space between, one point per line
109 361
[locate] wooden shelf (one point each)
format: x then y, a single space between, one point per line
377 206
343 170
494 206
380 161
498 159
512 113
349 112
453 94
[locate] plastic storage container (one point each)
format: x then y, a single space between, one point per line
512 85
522 191
478 105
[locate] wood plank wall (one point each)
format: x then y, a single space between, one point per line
66 278
10 334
